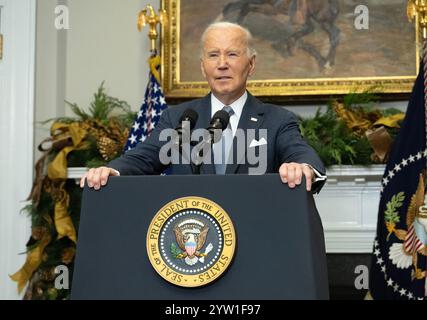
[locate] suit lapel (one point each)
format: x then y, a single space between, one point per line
203 109
251 118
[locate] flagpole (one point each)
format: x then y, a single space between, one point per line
154 102
417 10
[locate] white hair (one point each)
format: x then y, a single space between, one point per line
251 52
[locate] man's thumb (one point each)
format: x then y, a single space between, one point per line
114 172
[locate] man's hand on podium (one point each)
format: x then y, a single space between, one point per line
98 177
291 173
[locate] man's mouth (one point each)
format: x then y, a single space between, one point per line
223 78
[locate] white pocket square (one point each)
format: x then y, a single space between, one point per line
256 143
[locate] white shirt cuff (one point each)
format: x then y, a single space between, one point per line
317 175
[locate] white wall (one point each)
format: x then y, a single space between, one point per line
102 43
16 132
50 70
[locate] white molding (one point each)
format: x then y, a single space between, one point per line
349 241
347 204
16 131
76 173
374 171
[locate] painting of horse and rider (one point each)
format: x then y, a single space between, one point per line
304 39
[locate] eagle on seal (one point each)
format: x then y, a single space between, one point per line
191 237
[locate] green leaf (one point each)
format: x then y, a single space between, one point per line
175 251
391 215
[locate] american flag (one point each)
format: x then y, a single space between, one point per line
399 258
151 109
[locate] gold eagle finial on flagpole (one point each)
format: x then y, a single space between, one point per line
417 9
148 16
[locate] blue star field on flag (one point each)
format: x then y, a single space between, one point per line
149 114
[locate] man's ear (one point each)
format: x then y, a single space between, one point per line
252 63
202 67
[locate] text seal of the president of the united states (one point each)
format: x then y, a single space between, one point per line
191 241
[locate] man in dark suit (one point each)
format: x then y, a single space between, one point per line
227 61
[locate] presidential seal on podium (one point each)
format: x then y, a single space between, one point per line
191 242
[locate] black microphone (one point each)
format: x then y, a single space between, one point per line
219 122
186 124
190 116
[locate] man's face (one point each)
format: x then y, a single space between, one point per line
225 63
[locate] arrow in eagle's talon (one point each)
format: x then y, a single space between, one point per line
207 250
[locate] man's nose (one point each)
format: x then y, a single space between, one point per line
223 62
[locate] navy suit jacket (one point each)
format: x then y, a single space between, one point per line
284 141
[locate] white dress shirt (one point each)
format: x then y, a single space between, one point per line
237 107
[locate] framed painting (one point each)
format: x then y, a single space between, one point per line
305 48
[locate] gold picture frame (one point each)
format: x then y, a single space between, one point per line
183 15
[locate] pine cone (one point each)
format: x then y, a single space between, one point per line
108 148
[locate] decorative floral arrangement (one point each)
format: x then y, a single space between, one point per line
88 140
352 131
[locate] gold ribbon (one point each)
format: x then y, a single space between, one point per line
154 63
36 190
391 121
69 135
352 120
57 169
66 138
34 258
63 223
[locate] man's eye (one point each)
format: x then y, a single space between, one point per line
212 55
233 54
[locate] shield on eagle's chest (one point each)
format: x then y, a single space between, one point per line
190 248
